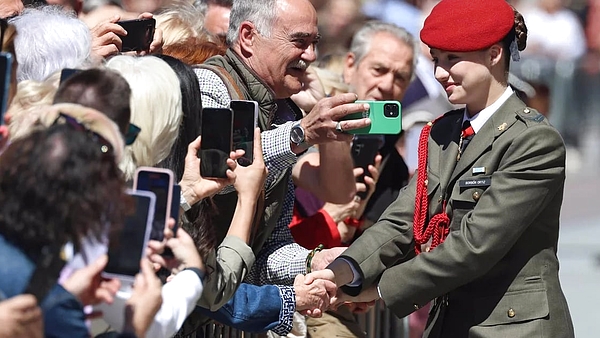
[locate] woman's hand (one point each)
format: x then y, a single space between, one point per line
89 286
145 301
193 186
250 180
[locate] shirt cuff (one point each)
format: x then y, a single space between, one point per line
277 142
356 280
288 307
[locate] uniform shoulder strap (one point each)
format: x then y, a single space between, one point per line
234 90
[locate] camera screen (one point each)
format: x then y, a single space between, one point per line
127 247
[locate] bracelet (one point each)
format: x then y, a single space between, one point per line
183 203
310 256
353 222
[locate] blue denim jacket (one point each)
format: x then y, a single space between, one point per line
257 309
63 313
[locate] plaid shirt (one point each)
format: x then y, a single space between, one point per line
281 259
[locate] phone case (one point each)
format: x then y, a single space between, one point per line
364 149
6 61
158 232
151 197
217 141
245 120
140 33
386 118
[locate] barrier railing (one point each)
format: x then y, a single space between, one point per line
378 322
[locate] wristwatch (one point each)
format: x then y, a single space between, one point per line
297 136
183 203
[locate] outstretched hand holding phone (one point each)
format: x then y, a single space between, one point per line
195 187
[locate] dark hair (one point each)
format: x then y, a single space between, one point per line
197 222
191 104
56 185
518 34
102 89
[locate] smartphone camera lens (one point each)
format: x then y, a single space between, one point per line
391 110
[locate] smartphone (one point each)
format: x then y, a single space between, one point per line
217 139
363 150
67 73
140 33
6 61
160 182
245 119
128 246
386 118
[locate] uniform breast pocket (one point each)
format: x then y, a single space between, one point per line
465 199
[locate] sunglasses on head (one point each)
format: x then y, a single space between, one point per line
132 133
105 146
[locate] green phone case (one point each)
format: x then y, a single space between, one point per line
385 118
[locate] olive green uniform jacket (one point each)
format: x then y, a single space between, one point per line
496 274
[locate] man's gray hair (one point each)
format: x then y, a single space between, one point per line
361 42
48 40
262 13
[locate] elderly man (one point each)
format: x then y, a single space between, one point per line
272 42
216 15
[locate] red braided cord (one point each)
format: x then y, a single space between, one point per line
438 227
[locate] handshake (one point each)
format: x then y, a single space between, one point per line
319 290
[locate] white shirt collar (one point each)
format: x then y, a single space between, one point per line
481 118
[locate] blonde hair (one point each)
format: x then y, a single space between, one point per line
180 21
26 105
155 107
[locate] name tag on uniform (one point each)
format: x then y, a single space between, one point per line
475 182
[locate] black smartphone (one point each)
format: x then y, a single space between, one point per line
160 182
67 73
175 206
140 33
6 61
245 119
364 149
217 130
128 246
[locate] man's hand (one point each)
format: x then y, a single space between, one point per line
320 124
106 40
193 185
323 258
89 286
21 317
312 299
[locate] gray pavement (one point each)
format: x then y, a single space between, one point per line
579 242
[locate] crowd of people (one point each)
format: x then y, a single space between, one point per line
302 239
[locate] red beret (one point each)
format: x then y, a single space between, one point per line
467 25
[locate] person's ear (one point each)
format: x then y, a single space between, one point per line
495 54
246 37
350 69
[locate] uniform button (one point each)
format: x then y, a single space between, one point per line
416 306
526 111
510 313
476 195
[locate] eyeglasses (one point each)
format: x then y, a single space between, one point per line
131 134
105 146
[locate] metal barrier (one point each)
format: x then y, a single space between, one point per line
378 322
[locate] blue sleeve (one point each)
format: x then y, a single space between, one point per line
63 315
257 309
